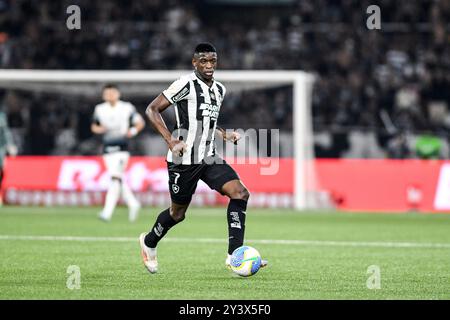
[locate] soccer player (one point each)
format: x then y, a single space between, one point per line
197 98
6 146
118 121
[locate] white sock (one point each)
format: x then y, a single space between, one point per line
112 196
152 253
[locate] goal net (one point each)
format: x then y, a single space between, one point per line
306 192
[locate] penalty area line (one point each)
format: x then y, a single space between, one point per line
379 244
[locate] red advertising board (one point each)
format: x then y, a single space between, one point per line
353 184
386 185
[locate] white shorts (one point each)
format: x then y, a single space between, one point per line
116 163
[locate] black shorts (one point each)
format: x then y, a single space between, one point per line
183 178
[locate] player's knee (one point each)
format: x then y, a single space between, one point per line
241 192
178 214
245 194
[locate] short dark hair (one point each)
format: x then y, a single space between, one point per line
110 86
204 47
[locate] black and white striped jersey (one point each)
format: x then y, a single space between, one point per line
197 109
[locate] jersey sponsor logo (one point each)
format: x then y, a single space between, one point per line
180 95
210 110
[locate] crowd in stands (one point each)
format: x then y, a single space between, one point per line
391 83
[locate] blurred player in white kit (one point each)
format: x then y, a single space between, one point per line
7 146
118 121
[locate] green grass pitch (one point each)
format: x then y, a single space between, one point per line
312 255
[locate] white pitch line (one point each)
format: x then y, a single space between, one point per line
256 241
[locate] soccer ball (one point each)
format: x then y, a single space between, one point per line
245 261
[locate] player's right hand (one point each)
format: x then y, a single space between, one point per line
178 147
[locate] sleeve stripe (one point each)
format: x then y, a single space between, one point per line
220 87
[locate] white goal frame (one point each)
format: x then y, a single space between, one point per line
302 82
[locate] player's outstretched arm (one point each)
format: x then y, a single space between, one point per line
153 112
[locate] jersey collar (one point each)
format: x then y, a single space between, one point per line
113 106
212 84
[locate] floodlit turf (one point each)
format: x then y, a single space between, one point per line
331 261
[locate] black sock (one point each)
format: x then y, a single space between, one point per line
236 223
163 223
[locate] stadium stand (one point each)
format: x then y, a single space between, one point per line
374 90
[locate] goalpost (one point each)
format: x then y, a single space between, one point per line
306 186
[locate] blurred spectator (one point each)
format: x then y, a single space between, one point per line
398 147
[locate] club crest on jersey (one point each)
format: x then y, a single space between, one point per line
175 188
